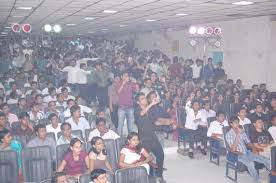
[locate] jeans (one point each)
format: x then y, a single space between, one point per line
125 113
102 96
248 160
114 115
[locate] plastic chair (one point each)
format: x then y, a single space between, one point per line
8 167
132 175
214 151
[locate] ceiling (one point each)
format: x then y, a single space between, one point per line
131 15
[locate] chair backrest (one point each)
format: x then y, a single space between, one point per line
120 142
181 115
22 139
77 133
37 163
132 175
112 157
87 132
225 129
86 178
8 167
248 128
60 152
273 158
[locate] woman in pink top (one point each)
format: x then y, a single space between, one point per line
75 161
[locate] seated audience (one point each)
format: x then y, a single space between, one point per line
66 135
76 121
133 155
98 176
41 139
242 115
7 143
25 127
21 107
97 155
215 128
259 113
261 138
102 131
11 118
101 113
75 162
272 129
3 122
55 124
238 142
36 114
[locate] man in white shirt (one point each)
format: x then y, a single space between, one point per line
82 80
55 124
66 95
193 119
215 129
242 115
51 96
36 114
102 131
34 87
196 69
272 129
76 121
207 111
72 75
83 109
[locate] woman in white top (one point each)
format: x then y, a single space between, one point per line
133 155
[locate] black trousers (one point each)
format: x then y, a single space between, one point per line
102 96
114 115
156 148
92 92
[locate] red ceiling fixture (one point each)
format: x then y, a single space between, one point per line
27 28
16 28
217 31
209 30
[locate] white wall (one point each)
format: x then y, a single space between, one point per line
249 47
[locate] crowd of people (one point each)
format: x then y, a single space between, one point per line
104 85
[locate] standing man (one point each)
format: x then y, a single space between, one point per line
126 90
147 123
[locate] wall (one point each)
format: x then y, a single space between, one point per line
249 47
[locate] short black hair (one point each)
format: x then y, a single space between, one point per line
96 173
64 89
39 126
232 119
56 176
256 119
219 113
74 108
23 114
64 124
137 97
68 101
98 120
51 116
3 133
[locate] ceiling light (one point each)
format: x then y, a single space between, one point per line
243 3
109 11
89 18
7 27
47 28
181 14
70 24
123 25
18 16
192 30
150 20
91 32
201 30
3 33
24 8
57 28
104 29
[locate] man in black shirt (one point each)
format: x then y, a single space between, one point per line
146 127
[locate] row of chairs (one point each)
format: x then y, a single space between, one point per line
37 162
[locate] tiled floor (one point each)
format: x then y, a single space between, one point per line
181 169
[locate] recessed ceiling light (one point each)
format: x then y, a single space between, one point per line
150 20
123 25
4 33
57 28
24 8
70 24
109 11
7 27
181 14
47 28
18 16
243 3
91 32
89 18
104 29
